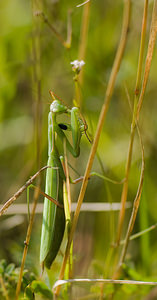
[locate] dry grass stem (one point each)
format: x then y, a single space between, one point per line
134 211
151 45
83 37
28 235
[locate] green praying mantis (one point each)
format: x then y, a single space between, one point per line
53 225
53 215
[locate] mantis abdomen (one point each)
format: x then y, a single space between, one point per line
53 216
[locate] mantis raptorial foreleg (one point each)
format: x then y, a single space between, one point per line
43 194
20 191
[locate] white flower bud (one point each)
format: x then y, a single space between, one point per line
77 65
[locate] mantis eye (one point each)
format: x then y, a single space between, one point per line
63 126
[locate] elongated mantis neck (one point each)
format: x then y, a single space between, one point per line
51 132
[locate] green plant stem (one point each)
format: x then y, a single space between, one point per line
110 87
139 234
38 126
145 238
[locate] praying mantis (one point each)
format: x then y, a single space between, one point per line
53 215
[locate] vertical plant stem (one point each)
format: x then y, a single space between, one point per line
145 238
37 88
83 38
151 44
28 235
84 34
110 87
69 31
133 125
78 79
133 214
5 293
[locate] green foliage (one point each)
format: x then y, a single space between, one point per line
9 274
30 286
37 287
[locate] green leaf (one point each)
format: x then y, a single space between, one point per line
41 287
29 295
3 265
9 269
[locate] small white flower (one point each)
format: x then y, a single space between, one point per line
77 65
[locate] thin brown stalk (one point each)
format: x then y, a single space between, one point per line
134 211
36 82
133 125
83 37
28 235
36 50
21 190
78 78
125 186
150 51
110 87
84 31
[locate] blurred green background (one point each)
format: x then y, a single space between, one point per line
18 151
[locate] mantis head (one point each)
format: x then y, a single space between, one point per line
57 107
